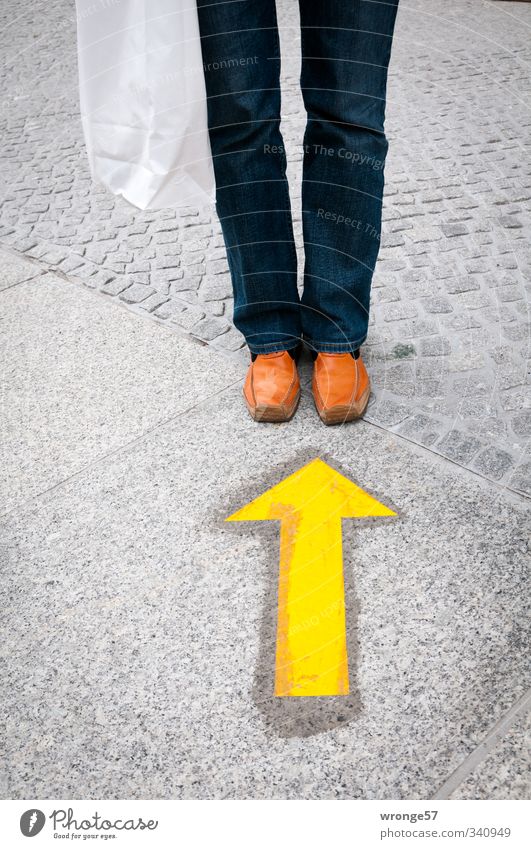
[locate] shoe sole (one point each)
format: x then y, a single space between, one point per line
343 413
266 413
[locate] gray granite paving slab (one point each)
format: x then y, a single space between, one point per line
506 773
139 627
80 376
452 280
15 269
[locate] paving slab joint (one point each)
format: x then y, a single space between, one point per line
484 749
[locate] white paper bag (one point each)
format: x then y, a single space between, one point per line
143 101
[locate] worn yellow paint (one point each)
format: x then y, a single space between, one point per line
311 654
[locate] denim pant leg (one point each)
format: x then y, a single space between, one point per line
241 56
346 48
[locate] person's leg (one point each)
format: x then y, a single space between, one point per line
241 56
346 48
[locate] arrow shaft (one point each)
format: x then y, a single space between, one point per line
311 655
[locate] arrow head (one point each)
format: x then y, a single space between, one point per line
315 490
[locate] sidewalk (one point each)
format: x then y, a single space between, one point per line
449 342
139 627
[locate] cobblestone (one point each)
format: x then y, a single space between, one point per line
455 261
115 287
461 284
210 328
438 305
230 341
435 347
153 302
189 317
397 312
420 427
451 230
388 413
170 310
136 293
493 463
459 447
521 479
521 423
216 287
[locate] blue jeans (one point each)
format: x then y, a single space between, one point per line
346 46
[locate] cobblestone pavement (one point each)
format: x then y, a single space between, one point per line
449 342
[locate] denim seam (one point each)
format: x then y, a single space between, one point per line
273 348
332 347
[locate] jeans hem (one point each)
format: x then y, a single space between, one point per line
273 348
334 347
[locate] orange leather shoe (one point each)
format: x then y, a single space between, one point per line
272 388
341 387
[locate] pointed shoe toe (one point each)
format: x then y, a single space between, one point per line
272 387
341 387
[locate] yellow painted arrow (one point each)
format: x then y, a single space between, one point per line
311 656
